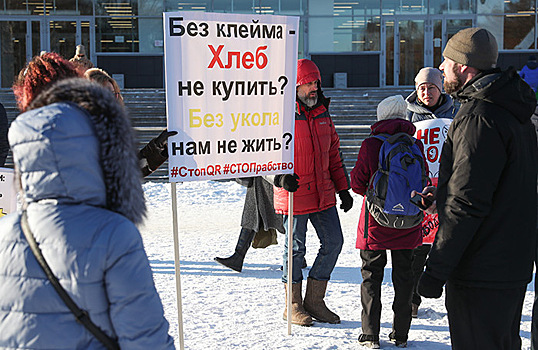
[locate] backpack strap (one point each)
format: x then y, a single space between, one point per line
366 217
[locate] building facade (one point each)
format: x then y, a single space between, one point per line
356 43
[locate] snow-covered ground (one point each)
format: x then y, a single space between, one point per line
223 309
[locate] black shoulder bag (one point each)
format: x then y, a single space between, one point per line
80 315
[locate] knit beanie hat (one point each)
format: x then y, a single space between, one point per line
474 47
393 107
429 75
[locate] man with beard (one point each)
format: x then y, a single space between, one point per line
486 198
319 174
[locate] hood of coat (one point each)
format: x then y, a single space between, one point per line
76 146
532 65
505 89
393 126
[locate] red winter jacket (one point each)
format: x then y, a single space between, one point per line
317 162
380 237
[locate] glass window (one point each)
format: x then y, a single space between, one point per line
222 5
489 7
63 37
518 32
495 24
452 6
12 45
85 7
85 38
391 7
25 7
117 8
320 8
266 7
117 34
358 34
519 6
79 7
291 7
243 6
151 38
300 46
188 5
355 7
349 34
150 8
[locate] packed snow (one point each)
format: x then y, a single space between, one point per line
224 309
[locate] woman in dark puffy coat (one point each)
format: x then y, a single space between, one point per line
391 114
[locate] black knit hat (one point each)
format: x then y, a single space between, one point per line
474 47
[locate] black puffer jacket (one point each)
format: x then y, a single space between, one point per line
486 196
4 145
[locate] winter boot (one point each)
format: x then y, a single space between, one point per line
400 342
314 304
369 341
235 262
298 314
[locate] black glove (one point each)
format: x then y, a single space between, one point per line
288 181
347 200
430 287
155 153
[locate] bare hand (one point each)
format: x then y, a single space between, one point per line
429 193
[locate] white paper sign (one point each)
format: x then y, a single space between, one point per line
8 195
230 94
432 133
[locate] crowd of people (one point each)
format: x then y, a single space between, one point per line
79 181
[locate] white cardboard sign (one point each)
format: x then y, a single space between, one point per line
8 195
230 94
432 133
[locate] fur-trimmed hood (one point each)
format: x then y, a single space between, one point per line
75 145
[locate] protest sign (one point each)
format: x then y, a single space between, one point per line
8 195
432 133
230 94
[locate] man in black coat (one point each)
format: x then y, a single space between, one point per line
4 144
534 323
486 198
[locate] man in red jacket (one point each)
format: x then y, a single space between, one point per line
319 175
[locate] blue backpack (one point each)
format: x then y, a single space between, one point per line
401 170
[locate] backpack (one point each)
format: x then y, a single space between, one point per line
401 170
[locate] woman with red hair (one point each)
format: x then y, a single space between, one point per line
40 73
48 68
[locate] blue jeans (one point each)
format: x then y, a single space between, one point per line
327 226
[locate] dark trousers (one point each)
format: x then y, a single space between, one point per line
483 318
419 259
534 323
373 265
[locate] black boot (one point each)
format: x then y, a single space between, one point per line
235 262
